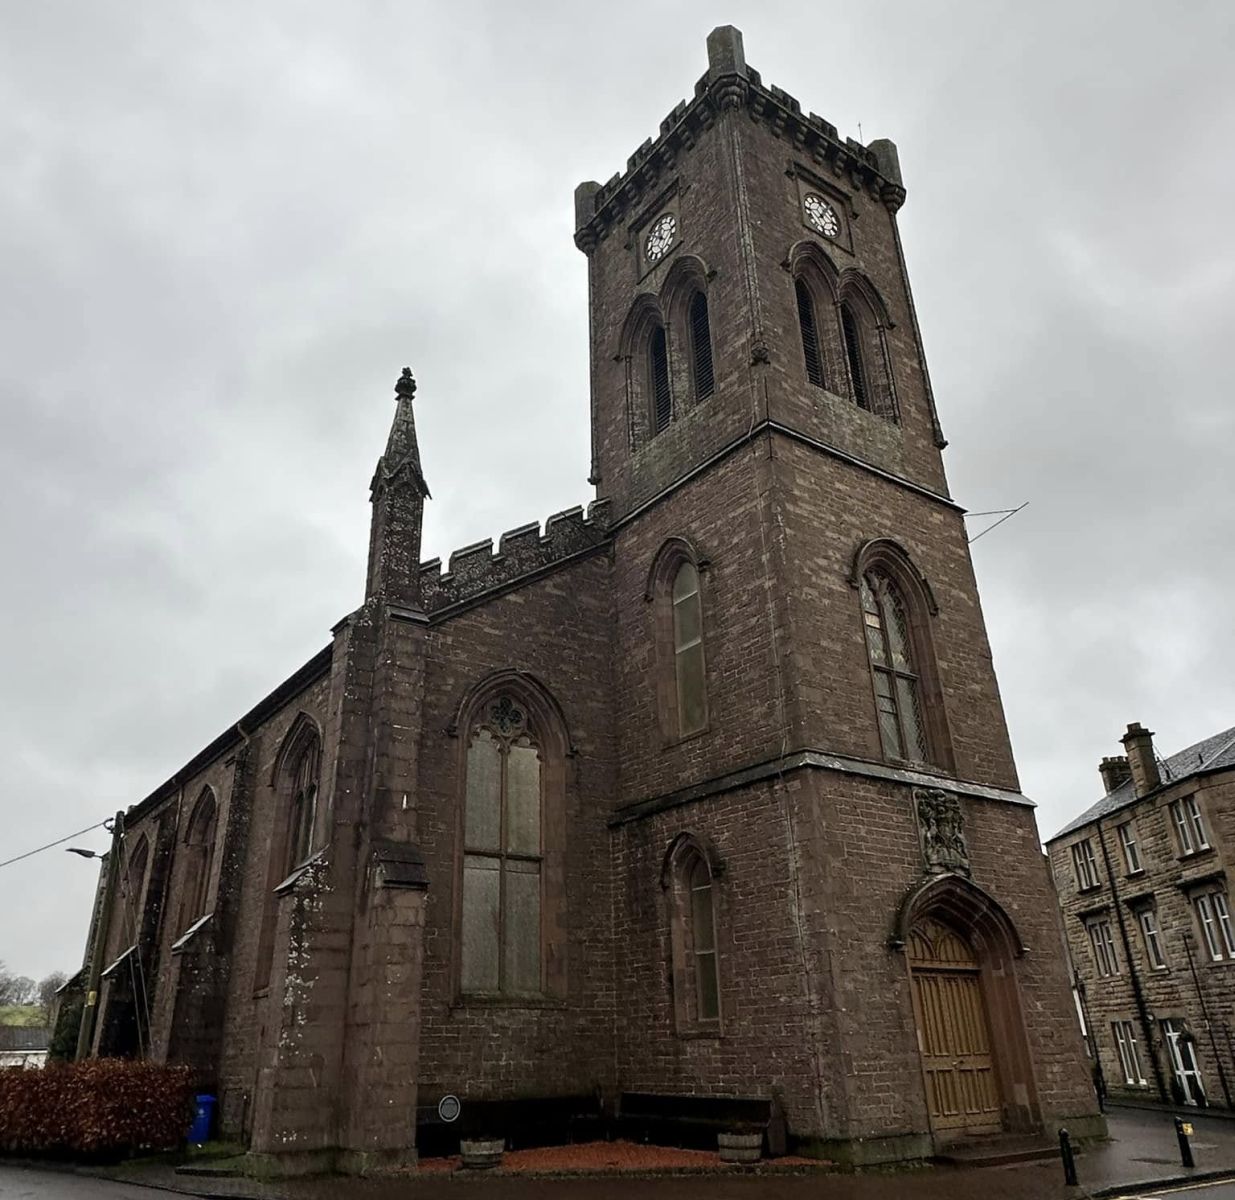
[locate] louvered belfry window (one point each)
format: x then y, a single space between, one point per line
889 645
810 335
853 352
701 347
662 405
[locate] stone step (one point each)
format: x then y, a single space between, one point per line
996 1151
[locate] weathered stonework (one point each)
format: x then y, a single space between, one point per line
322 993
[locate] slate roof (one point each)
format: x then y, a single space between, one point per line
1215 753
24 1037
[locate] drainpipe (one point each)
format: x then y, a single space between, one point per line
1138 994
1092 1037
1209 1025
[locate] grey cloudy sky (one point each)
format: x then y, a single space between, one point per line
224 227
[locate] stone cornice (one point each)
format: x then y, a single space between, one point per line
819 760
600 208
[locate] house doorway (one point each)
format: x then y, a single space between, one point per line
1187 1072
962 1086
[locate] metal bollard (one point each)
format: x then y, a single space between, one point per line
1183 1131
1069 1159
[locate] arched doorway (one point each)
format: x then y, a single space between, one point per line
963 953
962 1089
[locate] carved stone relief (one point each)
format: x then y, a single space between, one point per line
941 829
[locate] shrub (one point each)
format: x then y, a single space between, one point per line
100 1108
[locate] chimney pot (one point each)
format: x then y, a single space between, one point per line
1115 771
1139 743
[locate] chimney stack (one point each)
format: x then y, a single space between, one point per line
1139 743
1115 771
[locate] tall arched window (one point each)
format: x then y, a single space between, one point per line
134 883
701 347
690 881
702 935
688 664
302 814
889 643
851 329
810 334
658 379
503 854
295 783
199 858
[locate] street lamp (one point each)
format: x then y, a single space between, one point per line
83 853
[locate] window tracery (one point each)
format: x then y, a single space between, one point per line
890 650
199 858
503 854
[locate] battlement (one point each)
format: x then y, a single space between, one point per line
524 551
730 83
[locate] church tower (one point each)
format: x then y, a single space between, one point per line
804 688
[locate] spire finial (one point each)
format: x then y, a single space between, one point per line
406 386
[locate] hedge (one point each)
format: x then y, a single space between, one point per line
100 1108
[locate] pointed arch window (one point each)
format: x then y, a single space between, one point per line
703 941
810 334
199 858
691 883
889 645
302 813
658 379
701 347
503 855
688 662
852 331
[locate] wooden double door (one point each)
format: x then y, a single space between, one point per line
962 1087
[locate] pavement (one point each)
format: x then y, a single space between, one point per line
1140 1159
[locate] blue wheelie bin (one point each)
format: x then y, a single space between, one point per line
203 1119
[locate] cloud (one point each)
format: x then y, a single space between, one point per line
224 230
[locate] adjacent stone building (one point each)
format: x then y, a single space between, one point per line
1142 881
701 797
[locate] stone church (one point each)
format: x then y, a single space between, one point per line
695 805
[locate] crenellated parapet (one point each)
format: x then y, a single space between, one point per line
731 84
522 553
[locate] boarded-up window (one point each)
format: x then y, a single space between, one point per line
889 646
502 856
688 650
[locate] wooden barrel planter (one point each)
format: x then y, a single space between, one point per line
740 1147
482 1154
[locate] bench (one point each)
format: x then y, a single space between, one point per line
694 1121
524 1121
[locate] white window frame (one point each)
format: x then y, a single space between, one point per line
1084 865
1223 912
1129 1056
1153 940
1132 853
1189 826
1214 914
1103 945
